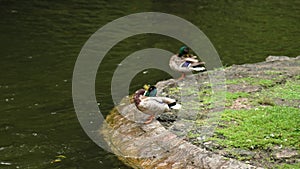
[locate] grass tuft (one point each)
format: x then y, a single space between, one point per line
290 91
252 81
261 128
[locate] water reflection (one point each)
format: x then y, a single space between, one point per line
40 41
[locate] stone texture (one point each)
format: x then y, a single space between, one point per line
286 153
153 146
277 58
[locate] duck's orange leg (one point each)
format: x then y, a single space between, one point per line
150 119
181 77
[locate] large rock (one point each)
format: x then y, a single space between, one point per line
152 146
277 58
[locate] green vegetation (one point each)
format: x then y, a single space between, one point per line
273 120
260 128
192 135
290 91
289 166
262 114
264 100
252 81
273 72
174 90
235 95
205 96
231 96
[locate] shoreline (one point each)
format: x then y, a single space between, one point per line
173 141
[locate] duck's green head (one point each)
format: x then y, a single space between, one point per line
151 91
183 51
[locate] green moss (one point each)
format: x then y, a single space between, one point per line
261 128
290 91
205 96
273 72
288 166
231 96
264 100
252 81
174 90
192 135
235 95
265 82
188 91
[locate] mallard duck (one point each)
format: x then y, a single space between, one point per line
153 105
151 91
184 62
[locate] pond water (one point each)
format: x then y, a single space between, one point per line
41 39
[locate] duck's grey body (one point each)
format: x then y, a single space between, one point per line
155 105
175 64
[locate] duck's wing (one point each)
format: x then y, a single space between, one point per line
171 102
176 63
198 68
153 105
191 60
166 100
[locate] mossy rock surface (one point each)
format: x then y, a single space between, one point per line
259 124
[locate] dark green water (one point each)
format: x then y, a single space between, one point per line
40 41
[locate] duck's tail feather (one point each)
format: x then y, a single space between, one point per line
197 68
174 105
